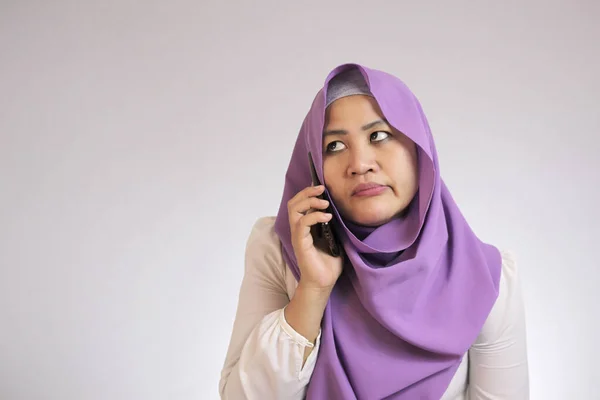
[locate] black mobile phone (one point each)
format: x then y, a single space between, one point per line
323 230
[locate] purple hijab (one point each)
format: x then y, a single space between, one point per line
415 292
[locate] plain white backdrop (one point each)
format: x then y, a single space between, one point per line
139 142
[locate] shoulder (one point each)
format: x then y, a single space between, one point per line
509 275
263 230
263 237
264 257
508 308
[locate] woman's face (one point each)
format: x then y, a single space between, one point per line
370 168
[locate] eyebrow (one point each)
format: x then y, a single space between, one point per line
364 128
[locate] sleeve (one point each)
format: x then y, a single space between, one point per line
265 354
498 368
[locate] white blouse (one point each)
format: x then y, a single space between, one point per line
264 359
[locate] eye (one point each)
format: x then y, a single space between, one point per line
334 146
379 136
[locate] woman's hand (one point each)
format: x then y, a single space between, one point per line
318 269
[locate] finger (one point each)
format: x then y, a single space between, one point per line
305 193
306 207
310 204
305 222
295 212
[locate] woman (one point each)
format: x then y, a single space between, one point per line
416 307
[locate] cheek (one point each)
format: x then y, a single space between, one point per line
403 166
333 174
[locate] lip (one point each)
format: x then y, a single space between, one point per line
368 189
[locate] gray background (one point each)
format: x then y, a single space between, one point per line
139 142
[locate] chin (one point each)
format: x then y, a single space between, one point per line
372 218
375 214
373 222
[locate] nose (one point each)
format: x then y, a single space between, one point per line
361 161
